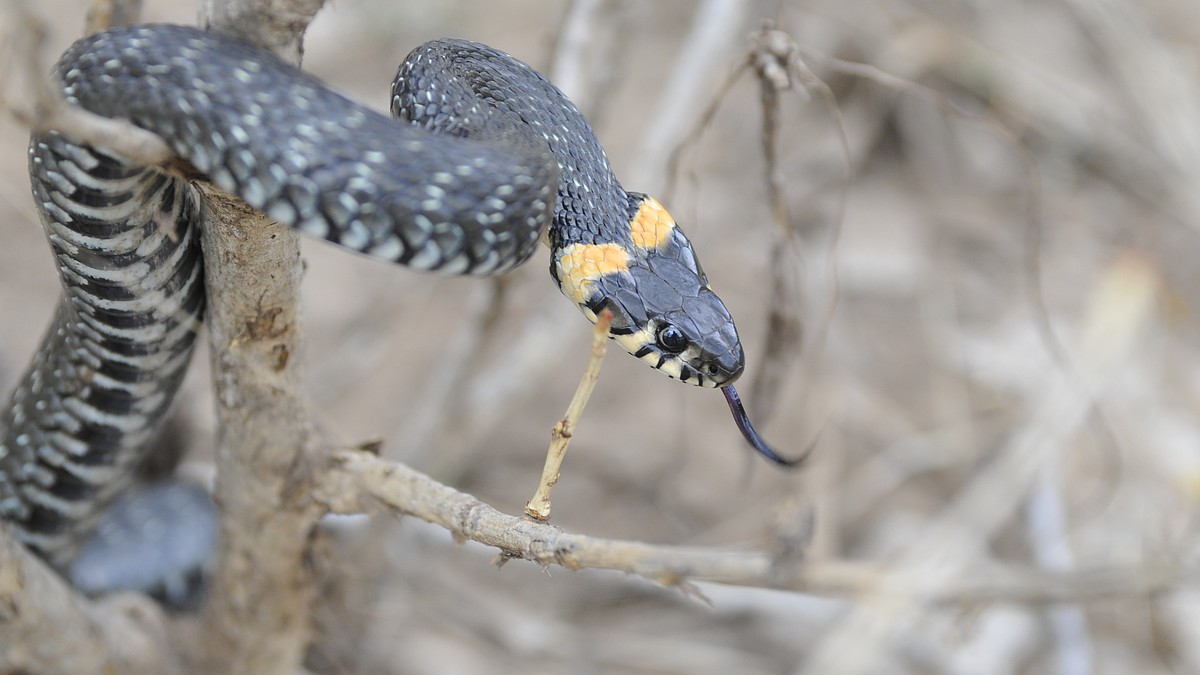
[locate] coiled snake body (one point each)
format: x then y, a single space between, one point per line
492 154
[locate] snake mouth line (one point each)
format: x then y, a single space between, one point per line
751 434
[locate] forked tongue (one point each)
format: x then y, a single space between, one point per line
752 436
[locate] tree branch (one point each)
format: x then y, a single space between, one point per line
125 635
257 619
360 482
716 25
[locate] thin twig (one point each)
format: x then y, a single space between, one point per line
953 542
538 507
816 346
773 55
708 41
568 69
361 482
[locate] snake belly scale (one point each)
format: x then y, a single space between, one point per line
487 156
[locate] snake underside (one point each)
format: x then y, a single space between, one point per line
124 238
485 157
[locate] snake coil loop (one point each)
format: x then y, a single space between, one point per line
487 155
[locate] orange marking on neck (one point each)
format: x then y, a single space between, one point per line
580 265
651 227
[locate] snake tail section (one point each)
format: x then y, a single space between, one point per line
124 239
486 157
126 246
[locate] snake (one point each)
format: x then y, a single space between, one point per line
482 159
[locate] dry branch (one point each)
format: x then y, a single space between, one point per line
257 619
775 63
360 482
538 507
47 627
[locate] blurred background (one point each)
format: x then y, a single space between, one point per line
979 310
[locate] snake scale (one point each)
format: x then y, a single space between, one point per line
485 157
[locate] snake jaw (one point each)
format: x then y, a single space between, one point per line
641 345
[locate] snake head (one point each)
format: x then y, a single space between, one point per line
664 312
672 320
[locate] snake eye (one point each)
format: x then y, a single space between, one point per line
671 339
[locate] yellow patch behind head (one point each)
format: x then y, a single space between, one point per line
651 227
579 265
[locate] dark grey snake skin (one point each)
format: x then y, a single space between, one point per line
125 242
491 154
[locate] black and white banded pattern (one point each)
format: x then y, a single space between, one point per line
125 241
129 259
486 156
312 159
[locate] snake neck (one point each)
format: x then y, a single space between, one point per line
519 109
610 249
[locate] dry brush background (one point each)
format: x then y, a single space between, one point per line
960 440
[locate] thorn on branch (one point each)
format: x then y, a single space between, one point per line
371 446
